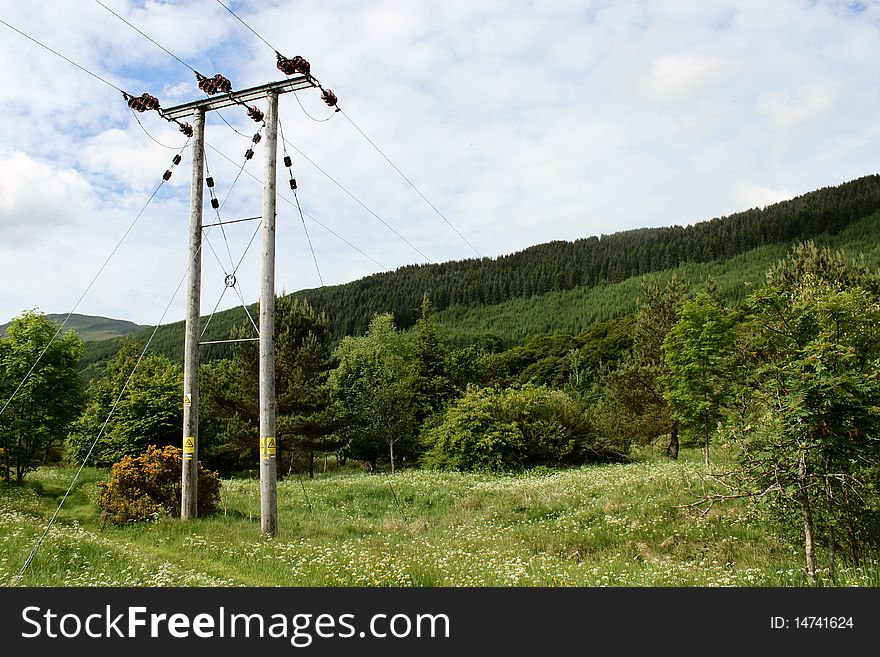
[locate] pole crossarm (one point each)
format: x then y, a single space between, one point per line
229 341
236 97
233 221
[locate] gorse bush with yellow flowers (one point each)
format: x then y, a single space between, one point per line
144 487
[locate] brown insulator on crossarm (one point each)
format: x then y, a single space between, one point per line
208 85
151 102
215 85
329 97
143 103
291 66
302 66
286 66
255 114
223 84
186 129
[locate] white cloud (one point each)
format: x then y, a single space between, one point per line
37 198
684 77
524 122
753 195
795 107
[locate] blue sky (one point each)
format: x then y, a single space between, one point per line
523 122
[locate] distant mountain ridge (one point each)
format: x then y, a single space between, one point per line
91 327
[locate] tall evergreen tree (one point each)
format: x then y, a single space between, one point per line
432 383
230 392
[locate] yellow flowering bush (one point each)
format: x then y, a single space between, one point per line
143 487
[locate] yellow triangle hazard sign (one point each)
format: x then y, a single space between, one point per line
270 443
189 443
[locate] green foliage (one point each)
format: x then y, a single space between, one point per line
556 360
148 412
634 391
374 391
142 488
433 386
698 352
813 444
50 395
230 392
515 428
564 287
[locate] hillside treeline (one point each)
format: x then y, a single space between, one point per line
591 261
470 287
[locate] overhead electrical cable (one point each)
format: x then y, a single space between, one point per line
306 112
289 163
310 216
362 133
146 36
152 138
245 24
97 275
198 75
357 200
69 61
411 183
88 455
337 183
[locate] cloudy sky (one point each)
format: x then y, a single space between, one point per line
521 121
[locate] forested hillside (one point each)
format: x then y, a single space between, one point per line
566 286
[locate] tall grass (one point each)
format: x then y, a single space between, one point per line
613 525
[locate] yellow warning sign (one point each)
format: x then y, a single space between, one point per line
267 446
189 445
187 400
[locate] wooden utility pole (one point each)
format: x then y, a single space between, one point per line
190 477
268 446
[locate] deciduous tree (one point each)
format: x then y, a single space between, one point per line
49 399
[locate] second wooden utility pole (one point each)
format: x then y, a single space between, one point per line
268 443
190 480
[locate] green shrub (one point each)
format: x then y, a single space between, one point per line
141 488
515 428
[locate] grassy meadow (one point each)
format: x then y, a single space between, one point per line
608 525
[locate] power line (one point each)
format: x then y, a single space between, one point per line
92 283
305 111
51 522
411 183
337 183
163 48
358 201
231 280
245 24
156 141
289 163
364 135
310 216
155 43
308 238
69 61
